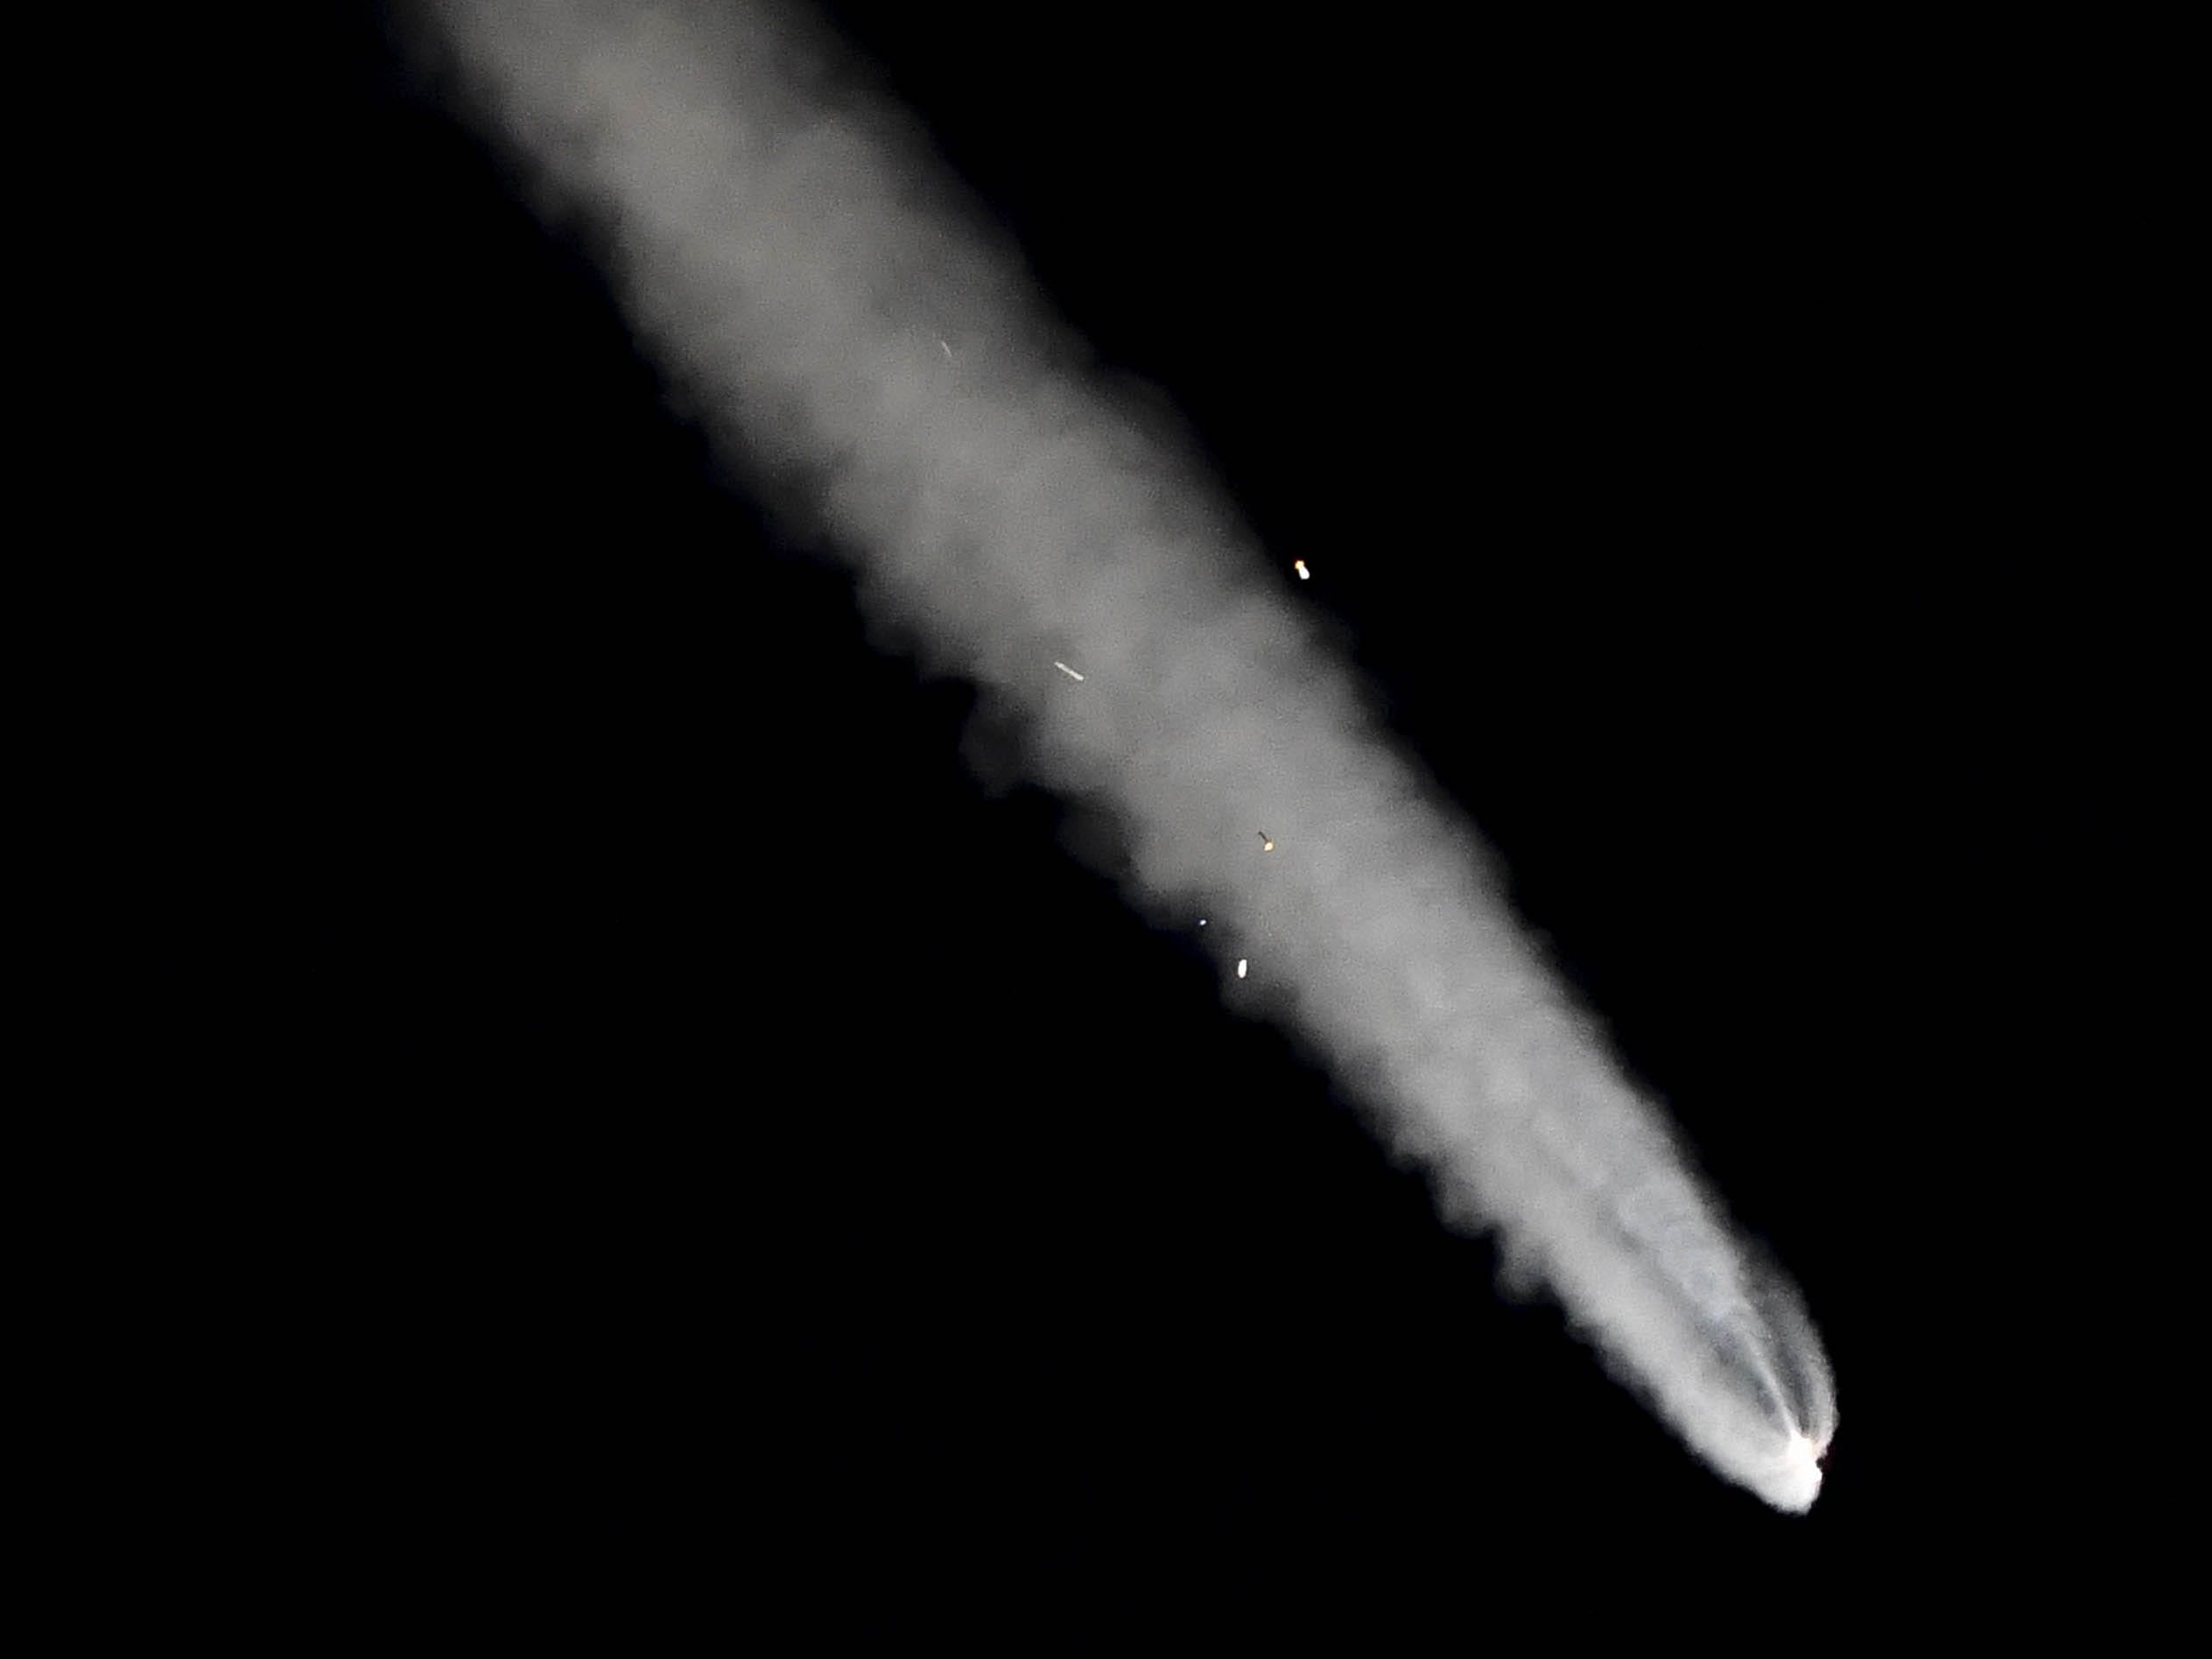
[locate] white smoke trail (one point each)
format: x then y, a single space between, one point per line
786 248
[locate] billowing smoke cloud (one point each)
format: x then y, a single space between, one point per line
863 344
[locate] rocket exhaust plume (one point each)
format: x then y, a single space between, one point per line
790 253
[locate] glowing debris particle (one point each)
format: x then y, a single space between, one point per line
1299 564
948 351
1267 842
1065 669
1241 962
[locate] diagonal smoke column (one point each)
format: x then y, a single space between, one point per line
859 340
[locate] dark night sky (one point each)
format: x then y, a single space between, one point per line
761 1158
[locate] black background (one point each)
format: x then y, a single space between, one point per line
731 1156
